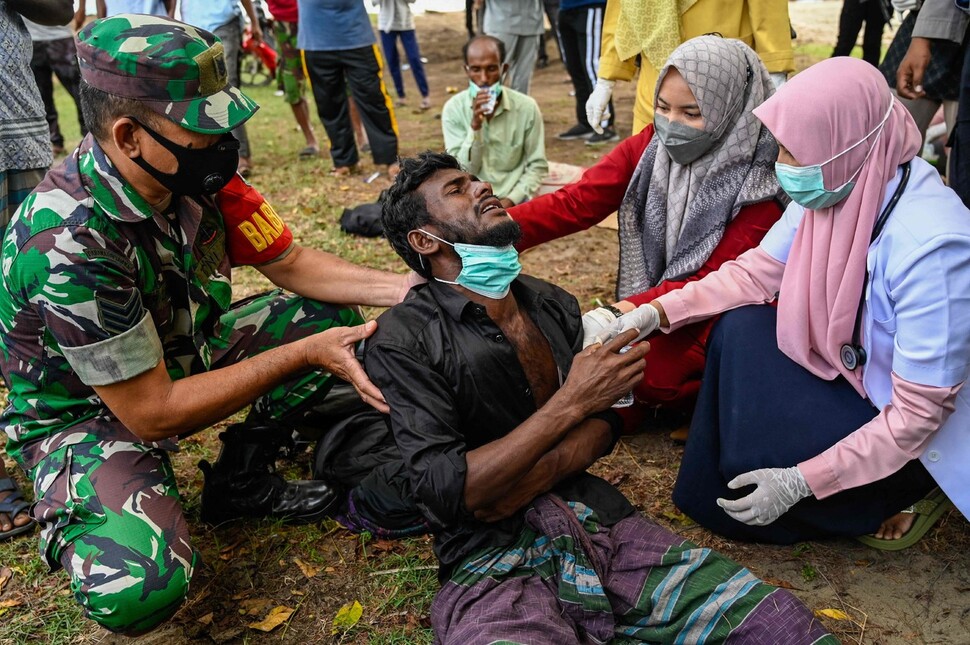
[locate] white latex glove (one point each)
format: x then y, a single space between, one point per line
778 489
778 79
646 318
596 322
598 103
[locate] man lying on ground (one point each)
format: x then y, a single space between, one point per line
498 412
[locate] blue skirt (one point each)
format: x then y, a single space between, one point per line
759 409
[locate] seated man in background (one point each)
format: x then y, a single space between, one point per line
497 413
495 132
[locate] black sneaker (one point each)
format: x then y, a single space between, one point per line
575 132
608 136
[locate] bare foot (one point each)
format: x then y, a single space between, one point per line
896 526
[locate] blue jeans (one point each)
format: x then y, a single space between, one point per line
413 54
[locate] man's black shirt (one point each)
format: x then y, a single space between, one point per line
454 383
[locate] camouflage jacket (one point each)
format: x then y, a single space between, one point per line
98 287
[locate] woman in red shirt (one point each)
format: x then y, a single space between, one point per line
693 190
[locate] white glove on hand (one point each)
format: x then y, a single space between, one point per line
598 103
594 323
778 489
646 318
778 79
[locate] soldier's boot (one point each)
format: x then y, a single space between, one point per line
243 481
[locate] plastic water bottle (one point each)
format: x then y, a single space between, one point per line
627 400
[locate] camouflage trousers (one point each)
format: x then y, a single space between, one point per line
109 511
290 66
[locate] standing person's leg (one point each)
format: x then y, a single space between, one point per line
872 36
393 58
326 75
959 172
366 80
759 409
922 110
850 22
520 54
63 60
231 36
591 43
470 18
572 25
110 515
40 65
409 40
294 83
551 8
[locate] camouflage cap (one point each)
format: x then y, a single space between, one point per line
177 70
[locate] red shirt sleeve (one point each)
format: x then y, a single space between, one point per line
578 206
255 234
743 233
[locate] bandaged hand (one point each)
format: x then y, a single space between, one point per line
595 322
778 79
777 490
598 103
644 318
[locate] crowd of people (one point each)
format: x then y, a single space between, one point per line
779 275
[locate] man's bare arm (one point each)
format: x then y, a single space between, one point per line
44 12
578 450
599 376
155 407
325 277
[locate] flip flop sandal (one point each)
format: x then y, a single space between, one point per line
13 504
928 510
309 152
344 171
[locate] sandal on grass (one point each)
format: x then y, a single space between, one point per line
928 510
13 504
343 171
309 152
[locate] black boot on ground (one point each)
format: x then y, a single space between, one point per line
243 481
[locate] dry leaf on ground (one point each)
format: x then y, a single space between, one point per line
308 569
837 614
6 573
277 616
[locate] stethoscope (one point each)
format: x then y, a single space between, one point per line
854 354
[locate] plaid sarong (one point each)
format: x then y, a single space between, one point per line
568 579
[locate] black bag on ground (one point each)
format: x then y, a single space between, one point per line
362 220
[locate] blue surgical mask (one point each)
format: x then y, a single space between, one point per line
485 270
805 185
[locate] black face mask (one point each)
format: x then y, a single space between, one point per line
201 171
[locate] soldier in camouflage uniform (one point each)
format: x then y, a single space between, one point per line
119 334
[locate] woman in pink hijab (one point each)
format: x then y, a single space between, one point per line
839 408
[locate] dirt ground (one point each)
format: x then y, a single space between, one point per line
917 596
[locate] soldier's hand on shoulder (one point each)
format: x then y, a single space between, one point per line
335 351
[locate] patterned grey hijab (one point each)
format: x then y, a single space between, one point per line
673 216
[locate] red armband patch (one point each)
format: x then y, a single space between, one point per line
255 234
